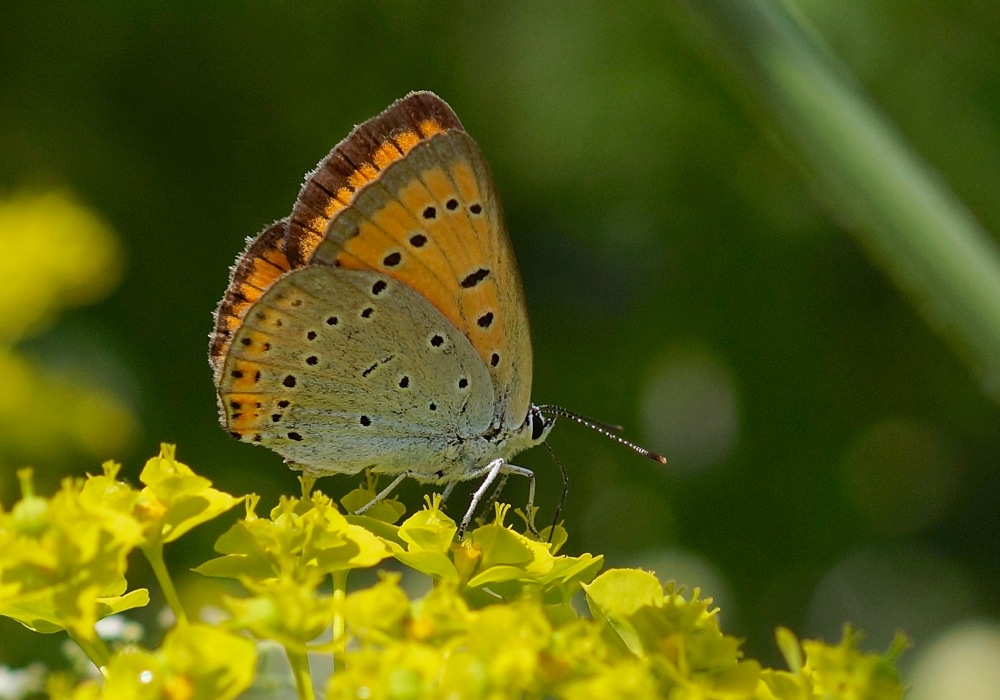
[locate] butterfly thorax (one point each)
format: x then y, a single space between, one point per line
501 444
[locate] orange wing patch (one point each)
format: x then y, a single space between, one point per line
357 161
433 223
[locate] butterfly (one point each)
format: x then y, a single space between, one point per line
383 324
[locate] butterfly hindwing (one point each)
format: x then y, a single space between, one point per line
377 375
259 267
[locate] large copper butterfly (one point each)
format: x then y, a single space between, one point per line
383 324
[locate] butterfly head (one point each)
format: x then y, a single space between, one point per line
533 431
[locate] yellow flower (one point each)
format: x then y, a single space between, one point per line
283 610
56 254
196 662
302 538
63 560
175 499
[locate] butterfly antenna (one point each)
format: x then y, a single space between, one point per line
591 422
565 489
605 429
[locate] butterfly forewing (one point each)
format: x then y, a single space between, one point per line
358 160
433 222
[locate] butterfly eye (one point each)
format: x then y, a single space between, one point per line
537 421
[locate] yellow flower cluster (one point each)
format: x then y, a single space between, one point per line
63 559
497 619
56 254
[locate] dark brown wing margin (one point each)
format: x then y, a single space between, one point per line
263 262
357 160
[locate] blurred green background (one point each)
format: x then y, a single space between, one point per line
832 457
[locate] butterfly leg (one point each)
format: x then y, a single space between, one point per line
492 471
447 490
384 492
488 503
529 508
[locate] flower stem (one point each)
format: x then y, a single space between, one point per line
339 628
95 649
900 210
299 662
154 553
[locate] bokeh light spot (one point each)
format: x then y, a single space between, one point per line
901 475
959 664
889 589
689 410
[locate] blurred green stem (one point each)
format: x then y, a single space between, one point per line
154 554
910 223
299 662
339 627
96 651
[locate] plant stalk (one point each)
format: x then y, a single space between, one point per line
930 246
154 554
